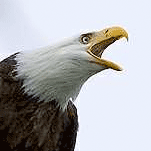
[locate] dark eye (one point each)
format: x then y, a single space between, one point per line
85 40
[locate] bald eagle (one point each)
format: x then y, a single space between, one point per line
38 88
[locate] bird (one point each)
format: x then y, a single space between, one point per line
38 90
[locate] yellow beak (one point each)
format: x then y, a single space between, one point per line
101 40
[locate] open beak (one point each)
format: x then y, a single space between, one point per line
101 40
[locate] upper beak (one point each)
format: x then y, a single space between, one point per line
101 40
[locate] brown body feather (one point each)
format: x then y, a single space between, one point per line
26 124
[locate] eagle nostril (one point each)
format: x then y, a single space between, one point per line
106 31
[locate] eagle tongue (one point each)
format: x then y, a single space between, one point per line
97 50
100 54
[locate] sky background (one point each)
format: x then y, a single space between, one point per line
114 108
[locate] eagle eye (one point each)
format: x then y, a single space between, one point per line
85 38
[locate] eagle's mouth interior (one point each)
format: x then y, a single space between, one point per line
100 41
99 48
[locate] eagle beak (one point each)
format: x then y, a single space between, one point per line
101 40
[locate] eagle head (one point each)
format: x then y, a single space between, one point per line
59 71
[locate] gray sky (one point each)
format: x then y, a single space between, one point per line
114 107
